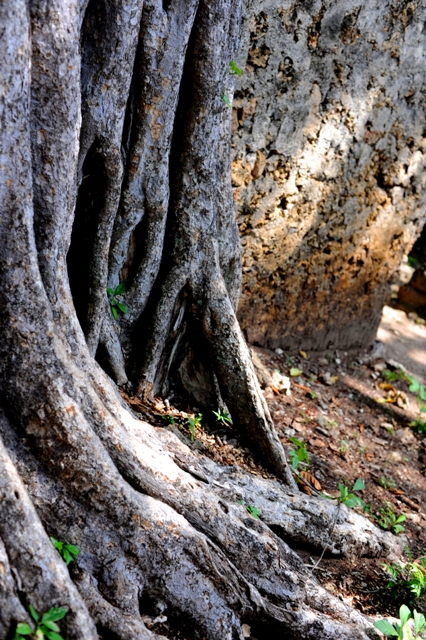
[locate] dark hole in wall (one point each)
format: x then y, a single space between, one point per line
90 202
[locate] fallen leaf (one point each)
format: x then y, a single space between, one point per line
294 371
387 386
303 354
317 442
361 427
311 479
304 487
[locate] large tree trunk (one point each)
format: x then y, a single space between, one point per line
116 155
328 165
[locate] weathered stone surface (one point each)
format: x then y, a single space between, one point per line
328 154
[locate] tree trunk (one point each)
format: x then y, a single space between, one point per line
328 165
115 155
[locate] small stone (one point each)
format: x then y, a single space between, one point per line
279 352
246 630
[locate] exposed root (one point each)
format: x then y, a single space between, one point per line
40 578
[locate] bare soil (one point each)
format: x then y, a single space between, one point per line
355 424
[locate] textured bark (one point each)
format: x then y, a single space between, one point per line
328 165
153 522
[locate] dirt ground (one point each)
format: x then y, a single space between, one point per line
355 423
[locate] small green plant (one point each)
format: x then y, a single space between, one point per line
411 576
226 99
169 419
400 629
233 69
419 425
418 389
69 552
299 456
344 447
222 417
193 423
46 627
390 376
387 519
348 498
386 483
114 302
289 360
251 509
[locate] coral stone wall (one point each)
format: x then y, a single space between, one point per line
328 157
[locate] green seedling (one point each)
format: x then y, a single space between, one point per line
299 456
169 419
289 360
348 498
222 417
344 447
251 509
193 423
226 99
400 629
117 307
386 483
69 552
46 626
233 69
411 576
387 519
419 425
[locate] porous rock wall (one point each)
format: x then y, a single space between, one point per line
328 156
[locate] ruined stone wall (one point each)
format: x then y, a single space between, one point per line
329 150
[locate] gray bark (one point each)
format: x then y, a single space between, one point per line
328 165
74 462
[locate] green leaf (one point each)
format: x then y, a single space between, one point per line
23 629
234 69
422 392
404 614
57 544
120 288
294 371
110 292
114 312
398 528
414 385
122 307
73 549
226 99
33 613
419 621
67 556
401 518
49 624
385 627
53 636
359 485
253 511
351 502
56 613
